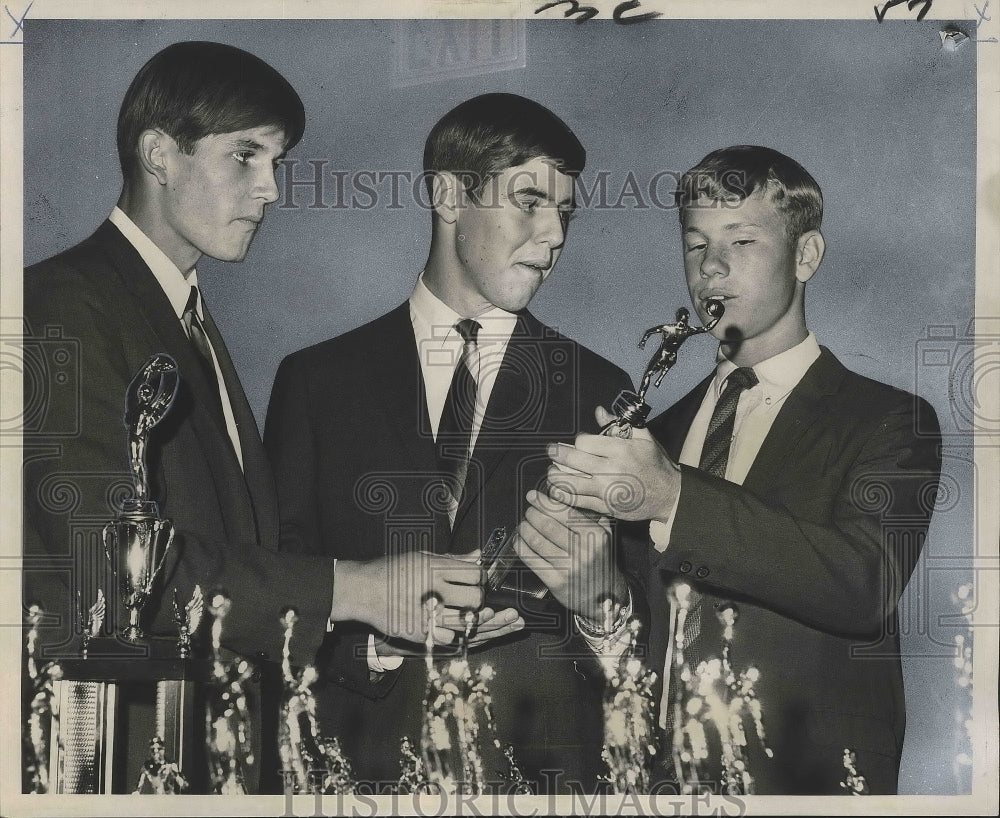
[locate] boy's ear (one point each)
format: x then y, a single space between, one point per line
445 190
809 250
153 148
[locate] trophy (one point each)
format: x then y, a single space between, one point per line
137 541
504 584
88 752
630 408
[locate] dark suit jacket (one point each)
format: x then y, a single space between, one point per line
356 468
94 314
815 549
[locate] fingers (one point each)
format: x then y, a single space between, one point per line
603 416
572 490
574 460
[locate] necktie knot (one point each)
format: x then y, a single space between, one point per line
468 328
191 308
742 378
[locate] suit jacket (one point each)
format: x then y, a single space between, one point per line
815 549
356 469
94 314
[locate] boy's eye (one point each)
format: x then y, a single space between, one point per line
529 204
692 247
243 157
742 242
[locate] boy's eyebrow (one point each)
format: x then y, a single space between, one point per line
738 225
249 144
253 145
530 190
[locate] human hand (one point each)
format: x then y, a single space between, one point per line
630 479
390 593
570 551
489 625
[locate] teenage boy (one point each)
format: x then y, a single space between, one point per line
425 428
784 484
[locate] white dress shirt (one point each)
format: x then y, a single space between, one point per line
177 287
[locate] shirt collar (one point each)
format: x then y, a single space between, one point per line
173 282
779 374
435 320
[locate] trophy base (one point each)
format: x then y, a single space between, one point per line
509 583
113 702
631 409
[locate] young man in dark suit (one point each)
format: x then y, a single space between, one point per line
784 485
200 132
424 429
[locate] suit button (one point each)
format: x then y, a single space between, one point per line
684 567
702 572
341 680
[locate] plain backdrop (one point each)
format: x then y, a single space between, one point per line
881 115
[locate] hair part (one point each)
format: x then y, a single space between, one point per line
736 173
191 90
488 134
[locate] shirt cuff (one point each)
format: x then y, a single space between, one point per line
377 664
660 530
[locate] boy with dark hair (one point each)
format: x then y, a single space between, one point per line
452 397
200 133
783 485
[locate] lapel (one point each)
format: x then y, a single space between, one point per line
397 393
805 406
256 467
155 310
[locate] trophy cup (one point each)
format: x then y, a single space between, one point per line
499 559
137 541
88 750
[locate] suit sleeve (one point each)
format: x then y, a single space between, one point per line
840 570
290 443
76 472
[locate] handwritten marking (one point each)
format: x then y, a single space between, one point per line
620 14
18 24
880 15
629 5
983 18
585 12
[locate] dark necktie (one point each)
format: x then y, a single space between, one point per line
196 332
455 429
714 457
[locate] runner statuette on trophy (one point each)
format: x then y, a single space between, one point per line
630 408
631 411
136 542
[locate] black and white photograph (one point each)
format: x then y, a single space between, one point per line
500 408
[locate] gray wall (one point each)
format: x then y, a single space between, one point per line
880 114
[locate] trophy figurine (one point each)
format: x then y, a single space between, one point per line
630 408
137 541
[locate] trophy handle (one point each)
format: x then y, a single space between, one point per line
158 526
